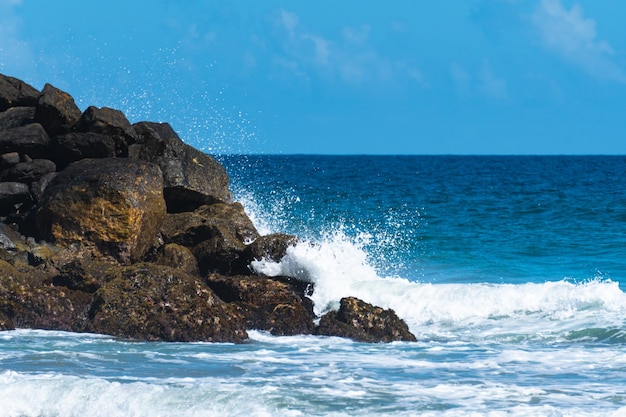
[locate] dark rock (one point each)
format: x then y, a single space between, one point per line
13 195
216 233
56 111
38 187
155 302
109 122
190 177
27 172
16 93
270 247
279 307
31 139
16 117
110 207
191 228
10 239
75 146
27 300
8 160
84 275
177 256
364 322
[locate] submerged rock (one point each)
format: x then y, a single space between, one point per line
364 322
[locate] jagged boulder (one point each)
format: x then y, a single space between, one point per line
31 140
27 172
16 93
16 117
154 302
109 122
278 305
216 233
75 146
190 178
56 111
110 207
364 322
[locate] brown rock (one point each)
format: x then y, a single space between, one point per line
154 302
270 247
278 306
14 93
27 300
177 256
190 177
109 122
364 322
56 111
110 207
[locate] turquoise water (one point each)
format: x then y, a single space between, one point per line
509 270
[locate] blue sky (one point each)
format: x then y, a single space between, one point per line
347 77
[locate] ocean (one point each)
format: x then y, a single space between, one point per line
510 271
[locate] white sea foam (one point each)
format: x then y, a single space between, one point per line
338 266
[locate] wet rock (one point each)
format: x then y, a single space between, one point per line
190 177
154 302
75 146
56 111
27 300
270 247
31 139
109 122
109 207
27 172
177 256
16 117
364 322
13 195
216 233
84 275
16 93
279 307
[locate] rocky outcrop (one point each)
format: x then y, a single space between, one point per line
123 229
190 177
278 305
153 302
108 207
364 322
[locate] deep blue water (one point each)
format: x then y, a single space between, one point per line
510 271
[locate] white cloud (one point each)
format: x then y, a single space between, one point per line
350 58
573 36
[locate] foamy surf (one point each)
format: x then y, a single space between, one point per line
338 267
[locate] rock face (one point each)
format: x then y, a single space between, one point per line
364 322
277 305
110 207
153 302
185 169
123 229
